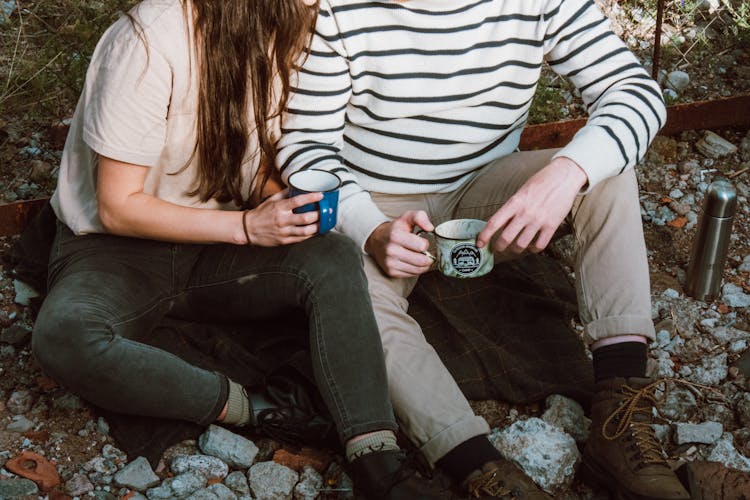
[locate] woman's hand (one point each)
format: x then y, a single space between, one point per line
272 223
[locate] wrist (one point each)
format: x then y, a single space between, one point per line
574 172
370 241
238 223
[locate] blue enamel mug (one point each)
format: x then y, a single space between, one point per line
317 181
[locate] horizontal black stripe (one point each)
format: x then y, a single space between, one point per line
594 63
319 159
648 104
312 130
616 71
629 127
320 93
410 180
581 48
444 98
446 76
320 73
440 161
397 6
310 112
409 137
384 28
634 110
305 149
445 52
619 144
573 18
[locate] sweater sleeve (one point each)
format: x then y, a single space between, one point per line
625 105
313 127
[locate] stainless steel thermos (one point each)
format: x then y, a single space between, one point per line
711 242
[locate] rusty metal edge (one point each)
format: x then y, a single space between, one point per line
729 112
716 113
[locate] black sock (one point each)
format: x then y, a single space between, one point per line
625 359
468 456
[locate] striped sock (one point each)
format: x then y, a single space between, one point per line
239 411
370 443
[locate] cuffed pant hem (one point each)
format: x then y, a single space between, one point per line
356 430
620 325
452 436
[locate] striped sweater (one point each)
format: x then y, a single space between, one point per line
414 97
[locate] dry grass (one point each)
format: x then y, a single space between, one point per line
44 51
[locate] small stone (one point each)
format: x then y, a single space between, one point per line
237 482
679 403
567 415
20 424
714 146
17 488
210 467
24 293
724 452
309 485
671 293
237 451
214 492
187 483
733 296
271 480
78 485
137 475
40 173
20 401
706 432
677 81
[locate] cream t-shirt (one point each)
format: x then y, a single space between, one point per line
138 105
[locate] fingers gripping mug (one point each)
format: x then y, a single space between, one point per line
317 181
458 254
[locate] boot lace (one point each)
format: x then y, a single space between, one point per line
489 483
638 403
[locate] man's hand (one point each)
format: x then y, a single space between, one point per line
529 219
397 250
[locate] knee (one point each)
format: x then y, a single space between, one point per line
59 340
337 259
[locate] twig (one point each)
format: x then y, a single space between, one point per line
15 47
7 96
738 173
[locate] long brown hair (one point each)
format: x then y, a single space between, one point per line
241 46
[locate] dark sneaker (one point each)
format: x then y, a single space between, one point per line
388 475
622 453
502 479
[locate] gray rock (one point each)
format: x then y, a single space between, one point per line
546 454
210 467
662 432
214 492
237 482
17 335
309 485
102 495
733 296
745 266
19 402
187 483
238 452
100 465
17 488
724 452
727 334
272 481
714 146
677 81
161 492
24 293
68 401
114 454
78 485
679 403
670 96
712 370
567 415
19 424
706 432
743 409
137 475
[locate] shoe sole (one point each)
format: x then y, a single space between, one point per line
593 475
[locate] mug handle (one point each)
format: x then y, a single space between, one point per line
419 233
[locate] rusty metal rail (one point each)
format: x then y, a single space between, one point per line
730 112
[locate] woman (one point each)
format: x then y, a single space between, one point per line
161 211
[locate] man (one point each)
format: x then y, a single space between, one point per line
419 106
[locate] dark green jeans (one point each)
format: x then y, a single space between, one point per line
107 291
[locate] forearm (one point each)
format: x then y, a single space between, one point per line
143 216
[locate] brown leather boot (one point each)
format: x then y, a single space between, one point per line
622 453
502 479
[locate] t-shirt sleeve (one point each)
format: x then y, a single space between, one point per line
127 95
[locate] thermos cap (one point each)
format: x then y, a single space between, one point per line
721 199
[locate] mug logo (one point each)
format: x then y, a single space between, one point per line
465 258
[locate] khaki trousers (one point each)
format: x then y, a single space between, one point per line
612 284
